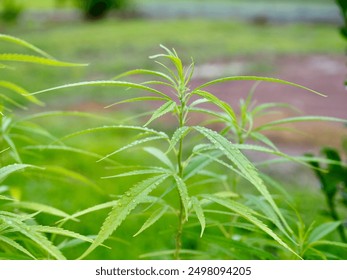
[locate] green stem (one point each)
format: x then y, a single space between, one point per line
181 216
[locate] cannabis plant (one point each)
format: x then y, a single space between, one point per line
21 235
180 179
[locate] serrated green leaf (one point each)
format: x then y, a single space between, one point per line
145 72
7 170
38 207
12 102
110 127
183 191
170 252
160 156
64 148
162 110
246 168
299 119
199 213
262 138
25 44
177 136
247 214
137 99
256 78
197 164
2 197
105 83
15 245
329 243
216 101
92 209
322 230
156 215
19 90
134 144
34 235
36 59
122 209
60 231
268 211
140 172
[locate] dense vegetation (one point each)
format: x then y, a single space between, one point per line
170 178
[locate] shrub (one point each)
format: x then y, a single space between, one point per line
96 9
10 10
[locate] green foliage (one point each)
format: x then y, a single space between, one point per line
184 160
10 10
21 235
343 8
96 9
333 181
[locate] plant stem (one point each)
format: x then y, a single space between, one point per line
181 217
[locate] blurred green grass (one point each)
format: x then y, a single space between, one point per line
114 46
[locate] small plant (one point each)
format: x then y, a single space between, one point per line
185 158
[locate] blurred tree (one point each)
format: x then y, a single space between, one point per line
97 9
10 10
343 8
